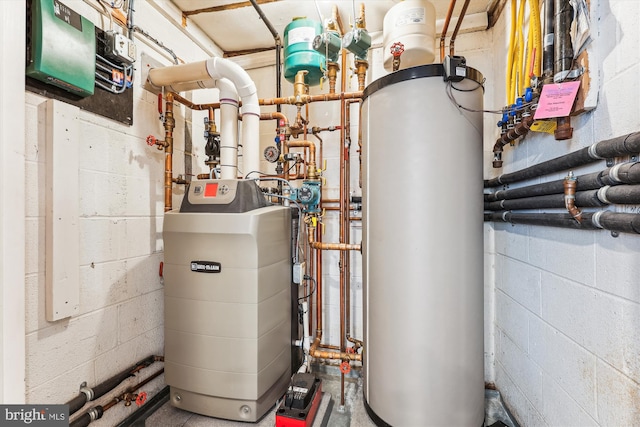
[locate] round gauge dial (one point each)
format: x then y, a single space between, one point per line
271 154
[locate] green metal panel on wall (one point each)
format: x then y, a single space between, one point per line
63 47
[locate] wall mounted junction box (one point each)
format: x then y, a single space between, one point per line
63 47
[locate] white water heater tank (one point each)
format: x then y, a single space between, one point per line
412 23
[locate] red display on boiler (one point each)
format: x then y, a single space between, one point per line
211 189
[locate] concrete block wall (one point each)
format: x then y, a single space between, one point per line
120 233
567 303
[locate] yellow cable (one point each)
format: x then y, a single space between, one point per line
519 78
527 62
512 36
537 37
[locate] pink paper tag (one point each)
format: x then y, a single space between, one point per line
556 100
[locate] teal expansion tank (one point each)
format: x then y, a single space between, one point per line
299 53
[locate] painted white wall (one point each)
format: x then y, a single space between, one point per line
121 212
12 197
567 310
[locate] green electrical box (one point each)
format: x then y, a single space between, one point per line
63 47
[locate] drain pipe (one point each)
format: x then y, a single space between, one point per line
607 149
88 394
278 42
216 69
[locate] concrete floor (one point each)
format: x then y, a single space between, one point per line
352 414
330 413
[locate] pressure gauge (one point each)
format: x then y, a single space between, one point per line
271 154
305 194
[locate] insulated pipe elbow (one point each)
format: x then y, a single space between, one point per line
219 68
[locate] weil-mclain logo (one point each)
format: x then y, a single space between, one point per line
35 415
206 266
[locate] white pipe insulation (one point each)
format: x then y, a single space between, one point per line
218 69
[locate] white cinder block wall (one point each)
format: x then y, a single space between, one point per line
567 303
121 213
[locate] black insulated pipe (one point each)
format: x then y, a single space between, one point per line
88 417
606 220
622 173
610 148
563 49
619 195
278 42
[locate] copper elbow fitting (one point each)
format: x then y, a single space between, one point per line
570 185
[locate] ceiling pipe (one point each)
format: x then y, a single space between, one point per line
445 28
452 40
278 42
217 69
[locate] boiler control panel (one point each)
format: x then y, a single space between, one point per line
223 196
213 192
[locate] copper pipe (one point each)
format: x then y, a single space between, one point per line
361 21
521 129
329 346
329 246
311 98
335 17
445 28
452 40
275 116
326 354
127 394
342 196
274 101
169 125
332 74
570 184
361 72
319 284
312 168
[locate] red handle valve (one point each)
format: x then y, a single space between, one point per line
345 367
152 140
351 350
142 397
397 49
160 103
